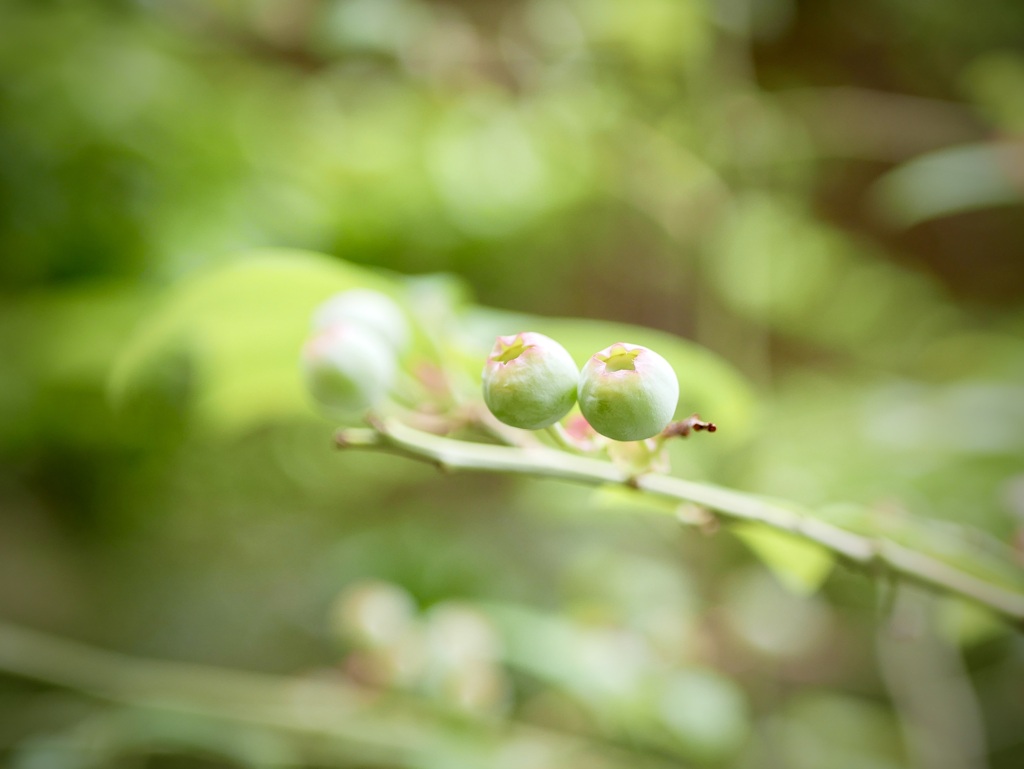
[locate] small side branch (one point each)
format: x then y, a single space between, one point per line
684 427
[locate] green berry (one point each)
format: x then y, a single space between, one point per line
529 380
628 392
368 308
348 369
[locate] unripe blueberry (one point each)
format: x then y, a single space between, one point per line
348 369
365 307
628 392
529 380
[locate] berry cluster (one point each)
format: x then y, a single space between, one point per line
353 363
626 392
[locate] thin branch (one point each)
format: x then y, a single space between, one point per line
372 725
872 552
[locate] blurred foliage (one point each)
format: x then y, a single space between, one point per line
814 209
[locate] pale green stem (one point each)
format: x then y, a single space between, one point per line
873 552
565 441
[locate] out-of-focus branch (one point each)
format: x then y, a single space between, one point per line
371 725
862 123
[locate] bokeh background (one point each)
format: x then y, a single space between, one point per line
828 196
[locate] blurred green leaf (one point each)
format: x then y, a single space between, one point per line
822 728
242 325
613 673
919 190
800 565
774 262
706 711
967 624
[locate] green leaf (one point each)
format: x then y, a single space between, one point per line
705 711
918 190
967 623
801 566
242 326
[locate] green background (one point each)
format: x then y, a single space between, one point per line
824 199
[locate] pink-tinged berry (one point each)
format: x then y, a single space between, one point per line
369 309
348 369
529 380
628 392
